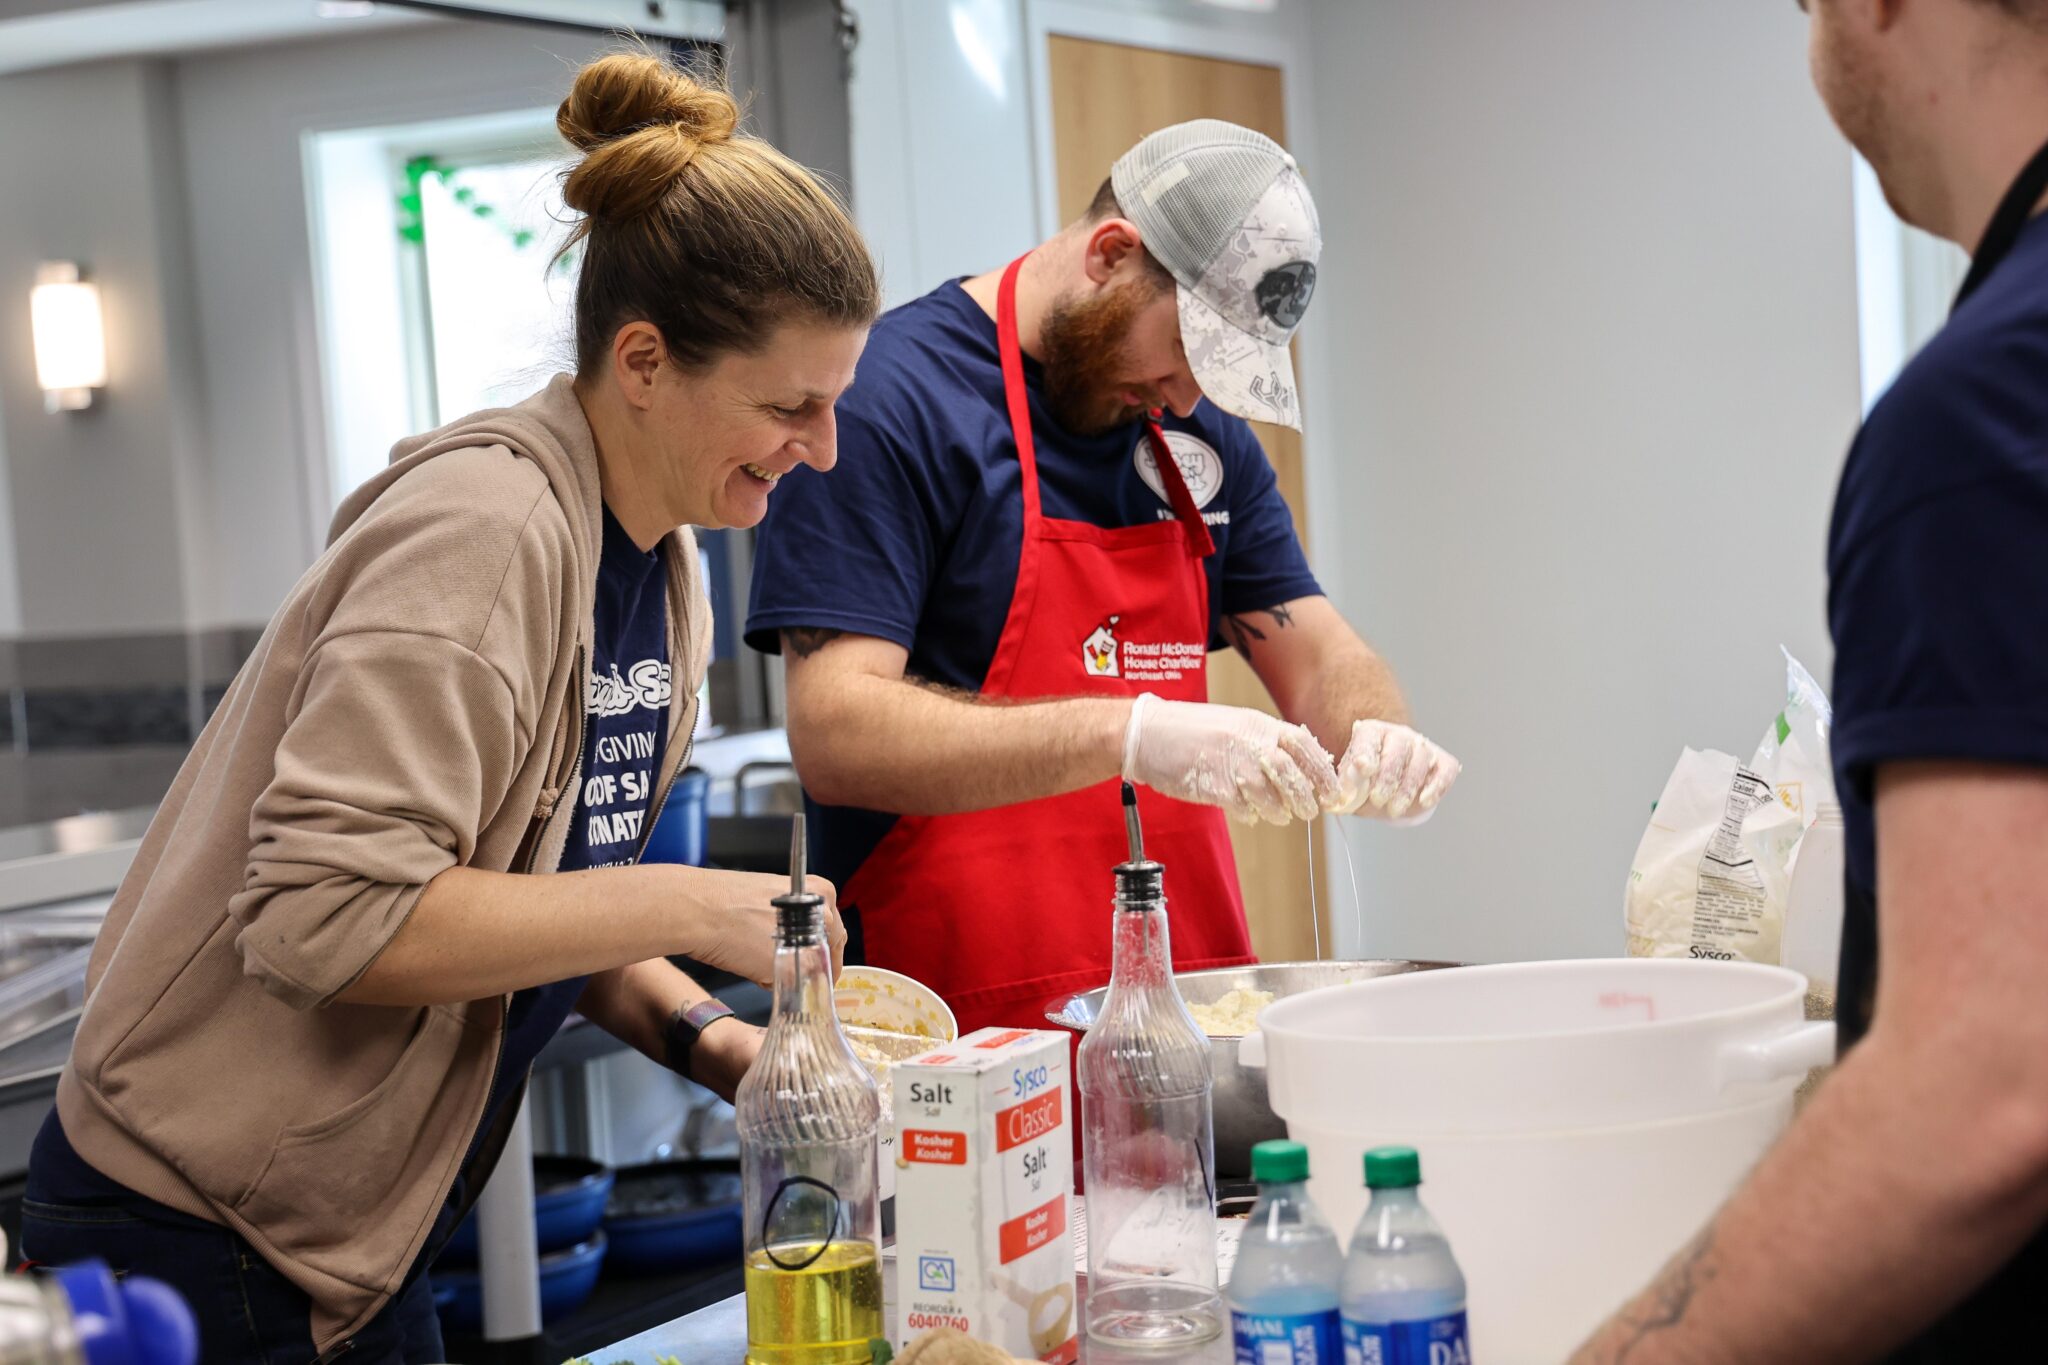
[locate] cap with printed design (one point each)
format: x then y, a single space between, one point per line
1226 212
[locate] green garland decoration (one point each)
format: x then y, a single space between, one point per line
412 224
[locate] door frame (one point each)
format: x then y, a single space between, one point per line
1265 39
1279 39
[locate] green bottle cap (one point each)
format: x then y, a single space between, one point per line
1279 1162
1391 1168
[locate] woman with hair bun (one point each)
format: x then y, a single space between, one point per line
406 845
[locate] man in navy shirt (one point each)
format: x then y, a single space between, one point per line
1902 1218
1002 599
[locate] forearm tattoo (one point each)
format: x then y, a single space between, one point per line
1669 1298
1242 630
804 641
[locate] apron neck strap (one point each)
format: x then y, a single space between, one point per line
1014 392
2007 223
1200 543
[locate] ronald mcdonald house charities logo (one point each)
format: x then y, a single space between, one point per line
1098 651
1103 655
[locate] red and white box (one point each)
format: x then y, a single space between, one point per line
984 1184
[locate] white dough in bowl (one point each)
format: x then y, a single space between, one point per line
1233 1015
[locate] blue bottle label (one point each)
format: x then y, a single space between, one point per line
1435 1341
1287 1338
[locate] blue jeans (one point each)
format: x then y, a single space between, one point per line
248 1313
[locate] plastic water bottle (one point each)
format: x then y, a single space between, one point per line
1404 1296
81 1315
1283 1290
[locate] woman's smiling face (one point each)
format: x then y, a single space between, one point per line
724 435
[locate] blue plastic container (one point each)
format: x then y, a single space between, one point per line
566 1279
569 1194
674 1215
136 1321
683 830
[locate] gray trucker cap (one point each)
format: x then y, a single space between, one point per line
1224 209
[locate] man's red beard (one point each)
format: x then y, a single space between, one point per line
1083 344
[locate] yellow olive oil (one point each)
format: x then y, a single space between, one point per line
823 1314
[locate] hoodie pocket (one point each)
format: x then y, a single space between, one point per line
370 1165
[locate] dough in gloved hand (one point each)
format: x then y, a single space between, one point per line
1255 766
1392 772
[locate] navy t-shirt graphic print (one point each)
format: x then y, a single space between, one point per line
625 708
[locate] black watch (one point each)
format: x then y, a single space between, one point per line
685 1027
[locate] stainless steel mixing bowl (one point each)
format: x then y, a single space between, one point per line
1243 1116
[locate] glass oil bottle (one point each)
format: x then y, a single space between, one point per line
807 1114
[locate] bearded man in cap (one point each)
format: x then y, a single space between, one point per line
1049 508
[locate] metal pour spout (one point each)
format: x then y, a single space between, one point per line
799 919
796 854
1139 882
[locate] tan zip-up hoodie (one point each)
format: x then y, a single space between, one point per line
415 705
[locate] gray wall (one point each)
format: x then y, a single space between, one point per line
1589 288
943 171
196 495
192 495
141 539
105 503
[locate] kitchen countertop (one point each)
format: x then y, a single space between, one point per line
59 860
717 1333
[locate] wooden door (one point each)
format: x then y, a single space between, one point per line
1105 97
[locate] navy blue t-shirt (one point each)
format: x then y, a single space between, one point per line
625 719
1938 601
914 536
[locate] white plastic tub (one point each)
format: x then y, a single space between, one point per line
1578 1121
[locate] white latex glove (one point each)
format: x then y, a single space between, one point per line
1254 766
1391 772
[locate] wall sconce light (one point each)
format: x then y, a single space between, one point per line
71 339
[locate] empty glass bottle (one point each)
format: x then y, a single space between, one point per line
1147 1145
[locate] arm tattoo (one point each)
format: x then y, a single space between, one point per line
808 640
1241 631
1666 1302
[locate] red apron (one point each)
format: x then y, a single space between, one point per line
1000 910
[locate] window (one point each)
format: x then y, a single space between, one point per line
432 252
496 311
1906 280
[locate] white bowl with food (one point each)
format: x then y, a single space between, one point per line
889 1018
1226 1002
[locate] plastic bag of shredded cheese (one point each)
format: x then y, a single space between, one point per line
1713 872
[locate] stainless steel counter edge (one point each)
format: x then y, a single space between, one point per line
83 855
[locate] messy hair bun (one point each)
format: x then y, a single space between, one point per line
640 122
714 237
